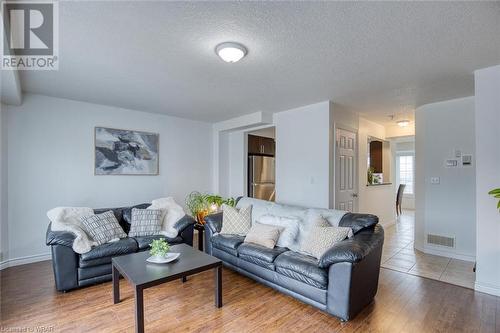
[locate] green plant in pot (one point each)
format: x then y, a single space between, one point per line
159 248
197 205
200 205
370 172
496 194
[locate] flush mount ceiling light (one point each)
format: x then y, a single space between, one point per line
403 123
230 52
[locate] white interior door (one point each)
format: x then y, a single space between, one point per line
346 196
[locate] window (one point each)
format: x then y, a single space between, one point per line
406 172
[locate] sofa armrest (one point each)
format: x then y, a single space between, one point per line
214 222
64 238
358 222
354 249
183 223
213 225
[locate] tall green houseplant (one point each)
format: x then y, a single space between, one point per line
496 194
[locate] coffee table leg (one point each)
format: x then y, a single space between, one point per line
218 286
116 284
184 279
139 310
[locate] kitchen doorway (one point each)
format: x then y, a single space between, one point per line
261 170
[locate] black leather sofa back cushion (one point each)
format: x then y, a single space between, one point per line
358 222
123 214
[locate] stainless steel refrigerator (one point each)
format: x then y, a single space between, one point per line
261 177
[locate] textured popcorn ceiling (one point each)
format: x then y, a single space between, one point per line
377 57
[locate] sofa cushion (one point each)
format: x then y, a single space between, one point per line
260 252
302 268
263 234
321 239
145 222
103 227
127 215
144 241
123 246
118 214
290 227
236 221
227 243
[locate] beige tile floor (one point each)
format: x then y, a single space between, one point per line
398 254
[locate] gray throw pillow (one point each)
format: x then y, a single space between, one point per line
263 234
145 222
103 227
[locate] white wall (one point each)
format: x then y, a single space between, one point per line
303 156
448 208
50 163
378 200
4 226
487 121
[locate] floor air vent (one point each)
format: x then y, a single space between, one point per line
440 240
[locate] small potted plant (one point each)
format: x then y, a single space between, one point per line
159 248
200 205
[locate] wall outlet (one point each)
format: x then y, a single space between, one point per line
435 180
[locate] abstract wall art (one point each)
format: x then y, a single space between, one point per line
125 152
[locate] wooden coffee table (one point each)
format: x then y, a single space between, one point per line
142 274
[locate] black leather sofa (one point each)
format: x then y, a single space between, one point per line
73 270
342 282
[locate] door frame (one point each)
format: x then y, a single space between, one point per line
333 168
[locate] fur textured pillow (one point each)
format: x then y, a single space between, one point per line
172 212
103 228
320 239
236 222
145 222
263 234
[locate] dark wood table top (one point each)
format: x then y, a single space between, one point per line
140 272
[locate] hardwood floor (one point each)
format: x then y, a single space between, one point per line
404 303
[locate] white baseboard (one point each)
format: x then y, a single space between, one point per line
445 253
487 288
24 260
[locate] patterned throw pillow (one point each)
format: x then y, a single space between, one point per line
289 224
236 222
103 228
145 222
320 239
263 234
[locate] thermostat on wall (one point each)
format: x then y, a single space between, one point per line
466 160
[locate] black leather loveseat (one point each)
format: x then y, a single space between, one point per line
342 282
73 270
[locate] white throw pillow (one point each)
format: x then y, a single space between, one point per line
320 239
263 234
173 212
236 222
290 227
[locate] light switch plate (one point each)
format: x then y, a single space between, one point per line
435 180
451 163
